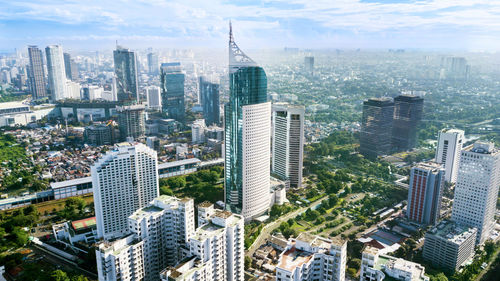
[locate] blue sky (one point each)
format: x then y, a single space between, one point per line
91 24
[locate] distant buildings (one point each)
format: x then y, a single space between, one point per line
407 117
376 127
377 267
455 68
198 131
449 148
57 75
36 73
476 190
172 91
449 245
99 134
126 75
131 121
70 67
247 137
123 180
288 142
153 96
425 192
312 258
209 99
153 66
309 65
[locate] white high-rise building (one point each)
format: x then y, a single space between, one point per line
476 190
165 226
448 152
72 90
123 181
288 142
122 259
216 249
311 257
198 131
56 70
153 96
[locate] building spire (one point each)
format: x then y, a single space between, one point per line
236 56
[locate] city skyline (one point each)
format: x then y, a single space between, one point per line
266 24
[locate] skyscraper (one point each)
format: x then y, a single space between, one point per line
209 99
247 136
407 116
425 192
376 127
153 66
70 68
57 75
36 73
153 96
448 151
123 180
126 75
172 90
476 190
309 65
288 142
131 121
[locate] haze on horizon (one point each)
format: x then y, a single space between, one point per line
93 24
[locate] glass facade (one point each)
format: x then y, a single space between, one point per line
209 99
248 85
126 75
172 91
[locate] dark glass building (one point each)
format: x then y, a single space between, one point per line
126 75
70 67
153 65
376 127
172 91
209 99
407 117
36 73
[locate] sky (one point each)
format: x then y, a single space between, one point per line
312 24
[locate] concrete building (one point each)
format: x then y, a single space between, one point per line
198 131
376 267
376 127
153 66
166 226
56 70
70 68
131 121
288 142
449 148
84 230
122 259
407 116
247 136
153 97
36 73
172 91
309 65
425 193
126 75
123 180
449 245
476 190
311 257
99 134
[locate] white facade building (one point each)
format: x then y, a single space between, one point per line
288 142
198 131
56 71
476 190
122 259
72 90
153 96
123 181
312 258
448 152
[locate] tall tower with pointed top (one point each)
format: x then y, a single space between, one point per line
247 136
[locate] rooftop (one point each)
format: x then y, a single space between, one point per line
60 184
482 148
12 104
84 223
294 258
207 230
178 163
205 204
452 231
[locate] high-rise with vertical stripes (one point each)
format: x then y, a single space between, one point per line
36 73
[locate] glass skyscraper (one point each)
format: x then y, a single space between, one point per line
209 99
126 75
172 90
247 136
36 73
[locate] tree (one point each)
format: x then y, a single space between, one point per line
59 275
439 277
248 262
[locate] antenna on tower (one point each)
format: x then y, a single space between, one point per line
231 39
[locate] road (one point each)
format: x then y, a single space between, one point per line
267 229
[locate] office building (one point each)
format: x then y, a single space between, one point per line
449 148
121 259
36 73
288 142
247 136
172 91
131 121
198 131
166 226
153 97
70 67
216 251
126 75
449 245
57 75
407 117
311 257
153 66
377 267
124 180
476 190
209 100
425 193
376 127
309 65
